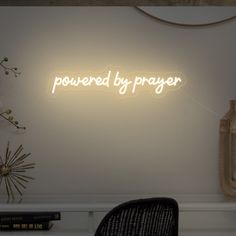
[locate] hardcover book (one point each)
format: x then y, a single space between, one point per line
28 217
26 226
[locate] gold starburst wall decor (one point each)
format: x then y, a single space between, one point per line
12 171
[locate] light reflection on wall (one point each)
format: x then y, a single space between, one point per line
108 145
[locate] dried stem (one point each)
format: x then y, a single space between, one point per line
5 116
8 69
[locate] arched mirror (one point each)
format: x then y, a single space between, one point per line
191 15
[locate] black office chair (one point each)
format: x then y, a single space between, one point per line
143 217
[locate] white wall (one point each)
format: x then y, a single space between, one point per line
95 143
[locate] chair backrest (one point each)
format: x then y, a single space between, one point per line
143 217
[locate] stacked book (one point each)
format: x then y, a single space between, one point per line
27 220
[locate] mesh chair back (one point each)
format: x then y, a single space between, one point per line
144 217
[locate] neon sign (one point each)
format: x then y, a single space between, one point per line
113 79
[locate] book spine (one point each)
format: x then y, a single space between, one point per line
32 218
26 226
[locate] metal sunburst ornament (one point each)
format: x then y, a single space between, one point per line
12 169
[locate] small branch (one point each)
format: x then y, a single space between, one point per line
8 70
6 115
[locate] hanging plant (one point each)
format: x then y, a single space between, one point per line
7 114
12 171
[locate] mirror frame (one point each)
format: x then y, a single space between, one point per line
118 3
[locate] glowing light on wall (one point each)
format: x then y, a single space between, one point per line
114 79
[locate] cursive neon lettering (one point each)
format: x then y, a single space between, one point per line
114 79
123 83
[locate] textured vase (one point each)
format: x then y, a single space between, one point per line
228 151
